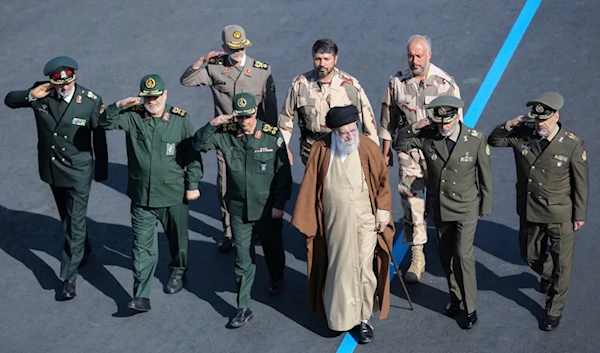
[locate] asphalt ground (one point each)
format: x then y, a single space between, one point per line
117 42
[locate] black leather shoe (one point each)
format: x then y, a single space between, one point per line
365 333
139 304
545 285
68 291
471 320
276 288
174 286
225 245
550 323
240 319
452 308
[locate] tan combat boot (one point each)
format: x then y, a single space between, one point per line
417 266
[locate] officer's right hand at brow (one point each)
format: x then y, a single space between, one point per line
221 119
201 60
41 91
418 125
128 102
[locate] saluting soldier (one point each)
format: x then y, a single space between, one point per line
312 94
259 181
163 178
459 191
552 195
228 73
66 115
404 101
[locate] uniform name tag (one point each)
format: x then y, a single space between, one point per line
79 122
170 149
263 167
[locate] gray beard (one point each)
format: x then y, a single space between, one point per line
449 132
347 147
154 111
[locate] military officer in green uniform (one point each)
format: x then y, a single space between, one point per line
66 115
552 195
229 72
259 182
459 191
163 177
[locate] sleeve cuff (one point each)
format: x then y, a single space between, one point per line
30 98
384 133
507 128
382 216
191 185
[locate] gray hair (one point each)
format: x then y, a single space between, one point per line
421 37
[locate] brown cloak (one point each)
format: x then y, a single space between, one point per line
308 218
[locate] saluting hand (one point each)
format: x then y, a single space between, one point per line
221 119
276 213
418 125
578 224
516 121
201 60
128 102
41 91
192 195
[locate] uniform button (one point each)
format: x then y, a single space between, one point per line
63 149
455 171
528 192
532 167
539 197
530 180
53 147
540 184
444 168
53 158
443 181
453 183
441 192
543 170
54 134
453 194
62 160
66 136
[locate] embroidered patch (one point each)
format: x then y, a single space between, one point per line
584 156
257 135
170 149
270 129
487 149
91 95
260 65
79 122
101 109
178 111
279 141
78 99
263 167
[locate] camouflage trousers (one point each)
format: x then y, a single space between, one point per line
411 185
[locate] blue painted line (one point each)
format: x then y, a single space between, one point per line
481 99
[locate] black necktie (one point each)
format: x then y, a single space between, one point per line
450 145
62 106
543 144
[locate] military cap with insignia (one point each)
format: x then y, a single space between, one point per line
234 37
152 86
244 104
340 116
545 105
445 109
61 70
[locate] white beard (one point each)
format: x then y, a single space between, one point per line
347 147
449 132
155 110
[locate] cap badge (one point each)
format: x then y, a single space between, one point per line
237 34
63 74
150 83
441 111
241 102
539 108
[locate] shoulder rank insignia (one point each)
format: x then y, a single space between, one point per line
260 65
217 61
91 95
476 133
137 108
101 109
178 111
229 127
270 129
572 136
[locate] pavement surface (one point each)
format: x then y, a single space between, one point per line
117 42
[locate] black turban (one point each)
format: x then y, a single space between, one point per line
340 116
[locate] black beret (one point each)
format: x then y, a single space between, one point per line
340 116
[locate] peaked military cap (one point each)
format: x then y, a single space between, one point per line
244 104
545 105
340 116
234 37
152 86
445 109
61 70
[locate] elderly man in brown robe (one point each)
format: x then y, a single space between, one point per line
343 204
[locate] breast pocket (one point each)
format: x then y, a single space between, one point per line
263 163
307 107
234 160
169 146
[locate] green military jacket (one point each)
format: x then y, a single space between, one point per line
552 186
258 170
67 143
161 165
459 185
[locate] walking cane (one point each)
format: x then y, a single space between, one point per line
399 273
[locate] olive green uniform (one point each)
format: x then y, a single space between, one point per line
161 168
258 179
459 189
68 141
552 193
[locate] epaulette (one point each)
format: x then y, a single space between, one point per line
476 133
229 127
260 65
270 129
404 74
137 108
91 95
178 111
572 136
217 61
